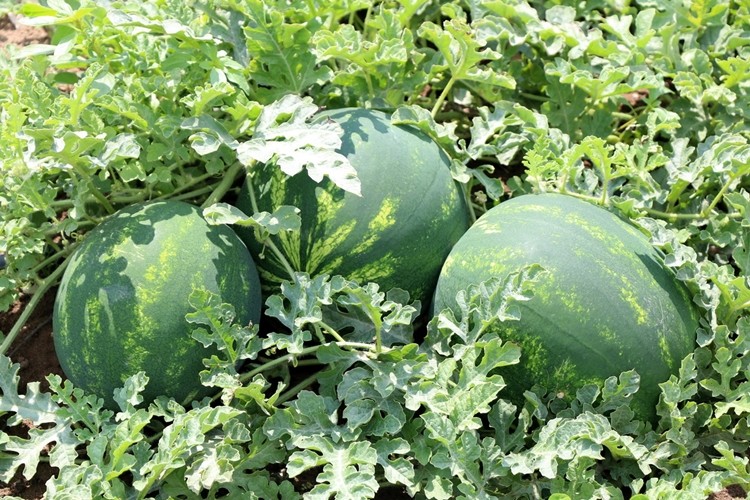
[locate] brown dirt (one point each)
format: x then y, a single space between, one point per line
34 351
33 348
17 34
731 492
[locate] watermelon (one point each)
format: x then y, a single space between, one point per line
606 303
122 300
397 234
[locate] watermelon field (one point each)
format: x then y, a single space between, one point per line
353 249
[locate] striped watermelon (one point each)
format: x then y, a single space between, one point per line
122 300
607 303
397 233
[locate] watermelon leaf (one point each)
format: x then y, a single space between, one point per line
176 442
299 307
52 430
284 218
369 315
482 305
348 470
276 66
348 465
284 135
235 342
35 405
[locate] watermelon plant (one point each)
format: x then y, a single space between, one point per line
121 304
606 304
396 231
345 388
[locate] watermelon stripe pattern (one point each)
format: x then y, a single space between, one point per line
606 303
122 301
397 233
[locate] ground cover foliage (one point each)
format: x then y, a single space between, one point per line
640 107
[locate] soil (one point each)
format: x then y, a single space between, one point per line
33 349
731 492
19 35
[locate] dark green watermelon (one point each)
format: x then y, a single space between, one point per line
123 298
606 304
397 233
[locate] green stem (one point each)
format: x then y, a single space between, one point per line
375 316
186 196
55 231
534 97
669 216
605 186
672 217
476 208
332 332
735 309
49 260
293 391
94 191
225 185
304 352
368 80
621 115
44 286
67 204
719 196
441 98
193 182
268 241
318 333
591 199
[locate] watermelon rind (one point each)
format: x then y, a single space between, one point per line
606 303
397 233
121 304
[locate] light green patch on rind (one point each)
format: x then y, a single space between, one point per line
567 379
630 298
487 225
563 376
290 245
327 206
322 250
608 334
534 354
278 188
381 222
448 206
629 293
157 276
270 280
572 302
667 354
597 233
376 270
546 211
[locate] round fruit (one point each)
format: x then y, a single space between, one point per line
397 233
123 298
606 303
